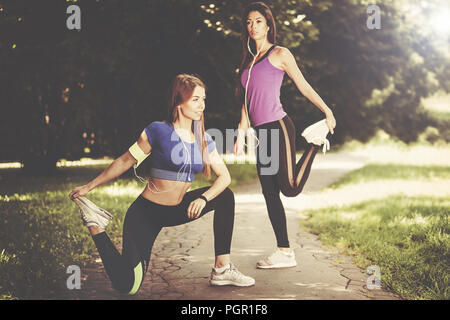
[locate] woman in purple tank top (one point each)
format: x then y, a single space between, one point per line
261 75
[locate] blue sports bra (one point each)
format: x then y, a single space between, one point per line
170 157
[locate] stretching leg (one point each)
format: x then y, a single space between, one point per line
292 176
127 270
143 222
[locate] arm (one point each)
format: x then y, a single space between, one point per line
289 65
243 124
222 181
242 129
114 170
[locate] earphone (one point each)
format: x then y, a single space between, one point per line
252 131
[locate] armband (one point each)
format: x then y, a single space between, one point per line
138 154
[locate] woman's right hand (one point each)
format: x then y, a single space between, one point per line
331 121
79 191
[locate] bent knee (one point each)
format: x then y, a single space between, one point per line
226 197
130 283
228 193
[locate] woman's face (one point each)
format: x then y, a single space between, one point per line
194 106
257 25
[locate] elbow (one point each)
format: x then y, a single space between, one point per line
224 179
126 161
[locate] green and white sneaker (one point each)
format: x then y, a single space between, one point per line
91 214
278 259
231 276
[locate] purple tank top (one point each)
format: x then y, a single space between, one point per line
263 94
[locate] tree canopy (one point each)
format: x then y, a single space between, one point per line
71 93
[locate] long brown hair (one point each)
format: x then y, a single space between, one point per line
181 90
265 11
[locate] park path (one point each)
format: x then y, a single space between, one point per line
183 256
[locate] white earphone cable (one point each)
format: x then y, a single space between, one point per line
251 130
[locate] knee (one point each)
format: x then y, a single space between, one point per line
130 284
228 195
291 192
123 286
225 198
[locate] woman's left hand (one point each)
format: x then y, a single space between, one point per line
331 121
195 208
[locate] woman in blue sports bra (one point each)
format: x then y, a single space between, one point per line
177 149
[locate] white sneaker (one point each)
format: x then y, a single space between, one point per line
278 259
91 214
317 134
231 276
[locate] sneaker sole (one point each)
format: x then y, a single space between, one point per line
277 266
99 211
86 213
229 282
101 217
314 126
308 130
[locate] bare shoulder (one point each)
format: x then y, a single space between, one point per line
275 57
281 52
281 57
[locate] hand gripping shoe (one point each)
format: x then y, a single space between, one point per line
91 214
317 134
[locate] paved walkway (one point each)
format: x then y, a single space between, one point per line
183 256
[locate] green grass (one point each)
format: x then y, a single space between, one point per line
42 233
372 172
406 236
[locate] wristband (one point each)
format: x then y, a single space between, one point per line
204 198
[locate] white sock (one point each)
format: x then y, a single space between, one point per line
220 270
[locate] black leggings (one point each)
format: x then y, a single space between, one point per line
144 220
278 171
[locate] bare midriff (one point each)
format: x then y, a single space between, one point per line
170 192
